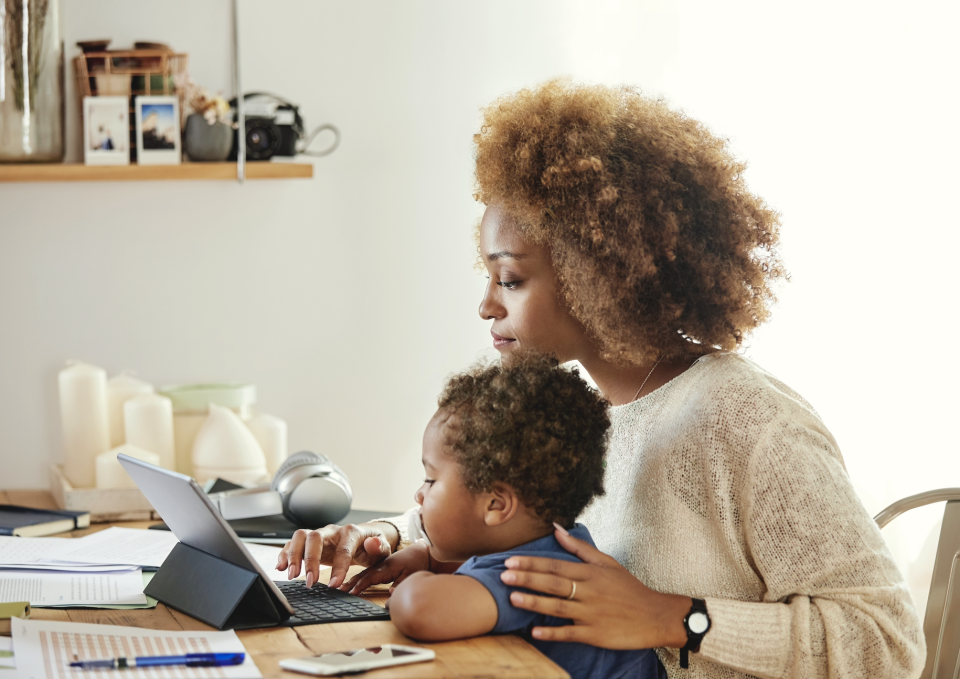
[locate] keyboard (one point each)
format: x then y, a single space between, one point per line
321 604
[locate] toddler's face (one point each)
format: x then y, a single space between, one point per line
452 516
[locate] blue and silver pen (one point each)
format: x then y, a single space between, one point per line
190 660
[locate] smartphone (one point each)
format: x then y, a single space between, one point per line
358 660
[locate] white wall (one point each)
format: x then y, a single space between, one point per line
348 298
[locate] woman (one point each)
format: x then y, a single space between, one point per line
620 233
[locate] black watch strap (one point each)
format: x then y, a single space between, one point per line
697 624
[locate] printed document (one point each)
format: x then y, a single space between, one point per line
58 588
116 548
134 546
45 648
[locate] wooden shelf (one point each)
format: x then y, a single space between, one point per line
75 172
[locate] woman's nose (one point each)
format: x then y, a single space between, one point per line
490 307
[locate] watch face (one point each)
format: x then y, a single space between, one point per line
698 622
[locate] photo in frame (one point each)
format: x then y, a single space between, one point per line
158 130
106 131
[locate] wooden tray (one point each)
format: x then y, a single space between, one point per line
104 504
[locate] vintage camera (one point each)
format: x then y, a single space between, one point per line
273 127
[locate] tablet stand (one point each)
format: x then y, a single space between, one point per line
215 591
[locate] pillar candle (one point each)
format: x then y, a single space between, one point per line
148 424
83 415
109 472
120 389
271 434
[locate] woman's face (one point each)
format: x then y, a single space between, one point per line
522 296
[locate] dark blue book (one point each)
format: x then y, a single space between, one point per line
28 522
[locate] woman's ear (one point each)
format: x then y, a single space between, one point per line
500 505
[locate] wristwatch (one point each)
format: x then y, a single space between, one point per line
697 624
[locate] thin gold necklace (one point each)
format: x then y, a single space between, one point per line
637 395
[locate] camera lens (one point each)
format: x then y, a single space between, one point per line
263 138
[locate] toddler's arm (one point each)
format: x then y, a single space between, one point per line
437 607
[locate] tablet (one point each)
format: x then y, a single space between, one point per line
190 515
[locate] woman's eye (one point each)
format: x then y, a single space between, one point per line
509 285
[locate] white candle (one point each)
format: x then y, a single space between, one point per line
109 472
271 434
122 388
148 424
83 415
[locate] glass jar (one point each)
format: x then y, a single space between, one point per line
31 82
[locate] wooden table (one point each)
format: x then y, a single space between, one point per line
502 657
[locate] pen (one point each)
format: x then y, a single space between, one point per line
190 660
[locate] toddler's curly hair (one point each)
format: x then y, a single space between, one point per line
533 425
660 249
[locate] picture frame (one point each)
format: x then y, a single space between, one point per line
158 130
106 131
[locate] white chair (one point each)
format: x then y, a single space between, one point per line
941 622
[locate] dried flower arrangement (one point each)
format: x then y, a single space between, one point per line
213 107
12 13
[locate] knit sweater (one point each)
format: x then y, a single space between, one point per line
725 485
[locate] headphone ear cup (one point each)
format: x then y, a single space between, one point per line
317 501
304 457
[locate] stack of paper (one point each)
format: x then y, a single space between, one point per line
110 549
44 649
101 569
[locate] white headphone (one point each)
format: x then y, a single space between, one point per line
308 489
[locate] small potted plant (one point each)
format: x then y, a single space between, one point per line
209 130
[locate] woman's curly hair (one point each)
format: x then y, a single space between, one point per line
660 249
532 425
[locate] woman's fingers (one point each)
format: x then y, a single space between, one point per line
375 550
539 564
583 550
292 554
338 546
580 633
559 608
312 553
350 537
541 582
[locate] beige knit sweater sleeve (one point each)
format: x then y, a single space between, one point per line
831 584
725 485
402 524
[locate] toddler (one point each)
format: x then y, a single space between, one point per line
510 451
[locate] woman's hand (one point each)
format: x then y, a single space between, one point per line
610 608
395 568
337 546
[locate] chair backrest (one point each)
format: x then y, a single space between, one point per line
941 622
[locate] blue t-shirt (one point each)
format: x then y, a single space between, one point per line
579 660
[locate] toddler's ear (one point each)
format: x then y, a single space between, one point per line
500 505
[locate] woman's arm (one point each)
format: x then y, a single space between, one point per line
431 607
835 604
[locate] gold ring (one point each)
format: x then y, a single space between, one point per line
572 591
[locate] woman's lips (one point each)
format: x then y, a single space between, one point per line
499 342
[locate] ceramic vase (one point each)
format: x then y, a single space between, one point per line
206 142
